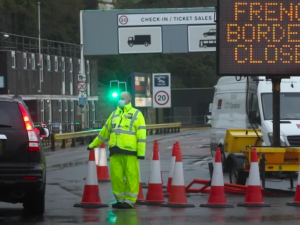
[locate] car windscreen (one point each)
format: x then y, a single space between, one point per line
289 106
10 116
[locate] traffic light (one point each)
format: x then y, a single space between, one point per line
114 88
114 94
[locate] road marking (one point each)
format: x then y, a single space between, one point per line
169 147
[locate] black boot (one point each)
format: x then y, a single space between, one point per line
117 205
125 205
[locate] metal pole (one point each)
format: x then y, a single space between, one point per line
82 65
40 60
263 170
276 111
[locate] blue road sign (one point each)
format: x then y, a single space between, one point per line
82 100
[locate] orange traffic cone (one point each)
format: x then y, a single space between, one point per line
91 196
140 197
254 196
177 197
217 192
102 168
173 158
296 201
155 190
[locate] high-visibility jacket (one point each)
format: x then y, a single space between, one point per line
127 132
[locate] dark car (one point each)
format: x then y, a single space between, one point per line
22 160
211 32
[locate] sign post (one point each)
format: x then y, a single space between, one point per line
161 90
82 98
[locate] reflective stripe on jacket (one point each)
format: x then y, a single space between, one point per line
126 129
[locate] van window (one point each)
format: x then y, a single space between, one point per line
289 106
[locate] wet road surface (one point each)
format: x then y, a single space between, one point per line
66 170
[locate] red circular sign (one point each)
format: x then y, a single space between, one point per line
123 20
82 86
161 98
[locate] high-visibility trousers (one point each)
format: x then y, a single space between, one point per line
125 166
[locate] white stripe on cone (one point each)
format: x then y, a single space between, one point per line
155 176
178 180
102 157
97 150
217 179
254 178
91 178
173 159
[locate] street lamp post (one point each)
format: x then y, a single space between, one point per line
40 60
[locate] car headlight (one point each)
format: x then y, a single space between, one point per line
282 143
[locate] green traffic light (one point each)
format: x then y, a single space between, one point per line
115 94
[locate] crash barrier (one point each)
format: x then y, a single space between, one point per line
163 128
81 136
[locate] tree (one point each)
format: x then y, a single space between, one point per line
59 18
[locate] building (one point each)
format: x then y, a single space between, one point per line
50 88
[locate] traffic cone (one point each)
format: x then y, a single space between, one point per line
140 197
177 197
217 192
296 201
173 158
102 168
155 190
91 195
254 196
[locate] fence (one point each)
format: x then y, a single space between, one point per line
31 44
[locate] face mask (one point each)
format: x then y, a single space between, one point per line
121 103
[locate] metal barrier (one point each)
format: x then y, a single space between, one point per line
82 135
163 128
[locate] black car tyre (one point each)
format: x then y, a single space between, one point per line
130 44
146 44
237 176
35 203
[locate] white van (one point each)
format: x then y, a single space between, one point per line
230 105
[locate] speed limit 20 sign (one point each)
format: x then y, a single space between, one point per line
81 86
161 90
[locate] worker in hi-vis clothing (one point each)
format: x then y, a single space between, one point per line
126 131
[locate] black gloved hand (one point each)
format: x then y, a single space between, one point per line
88 148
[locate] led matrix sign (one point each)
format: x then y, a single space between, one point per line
258 37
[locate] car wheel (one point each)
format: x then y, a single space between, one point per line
35 203
130 44
205 35
236 176
146 44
